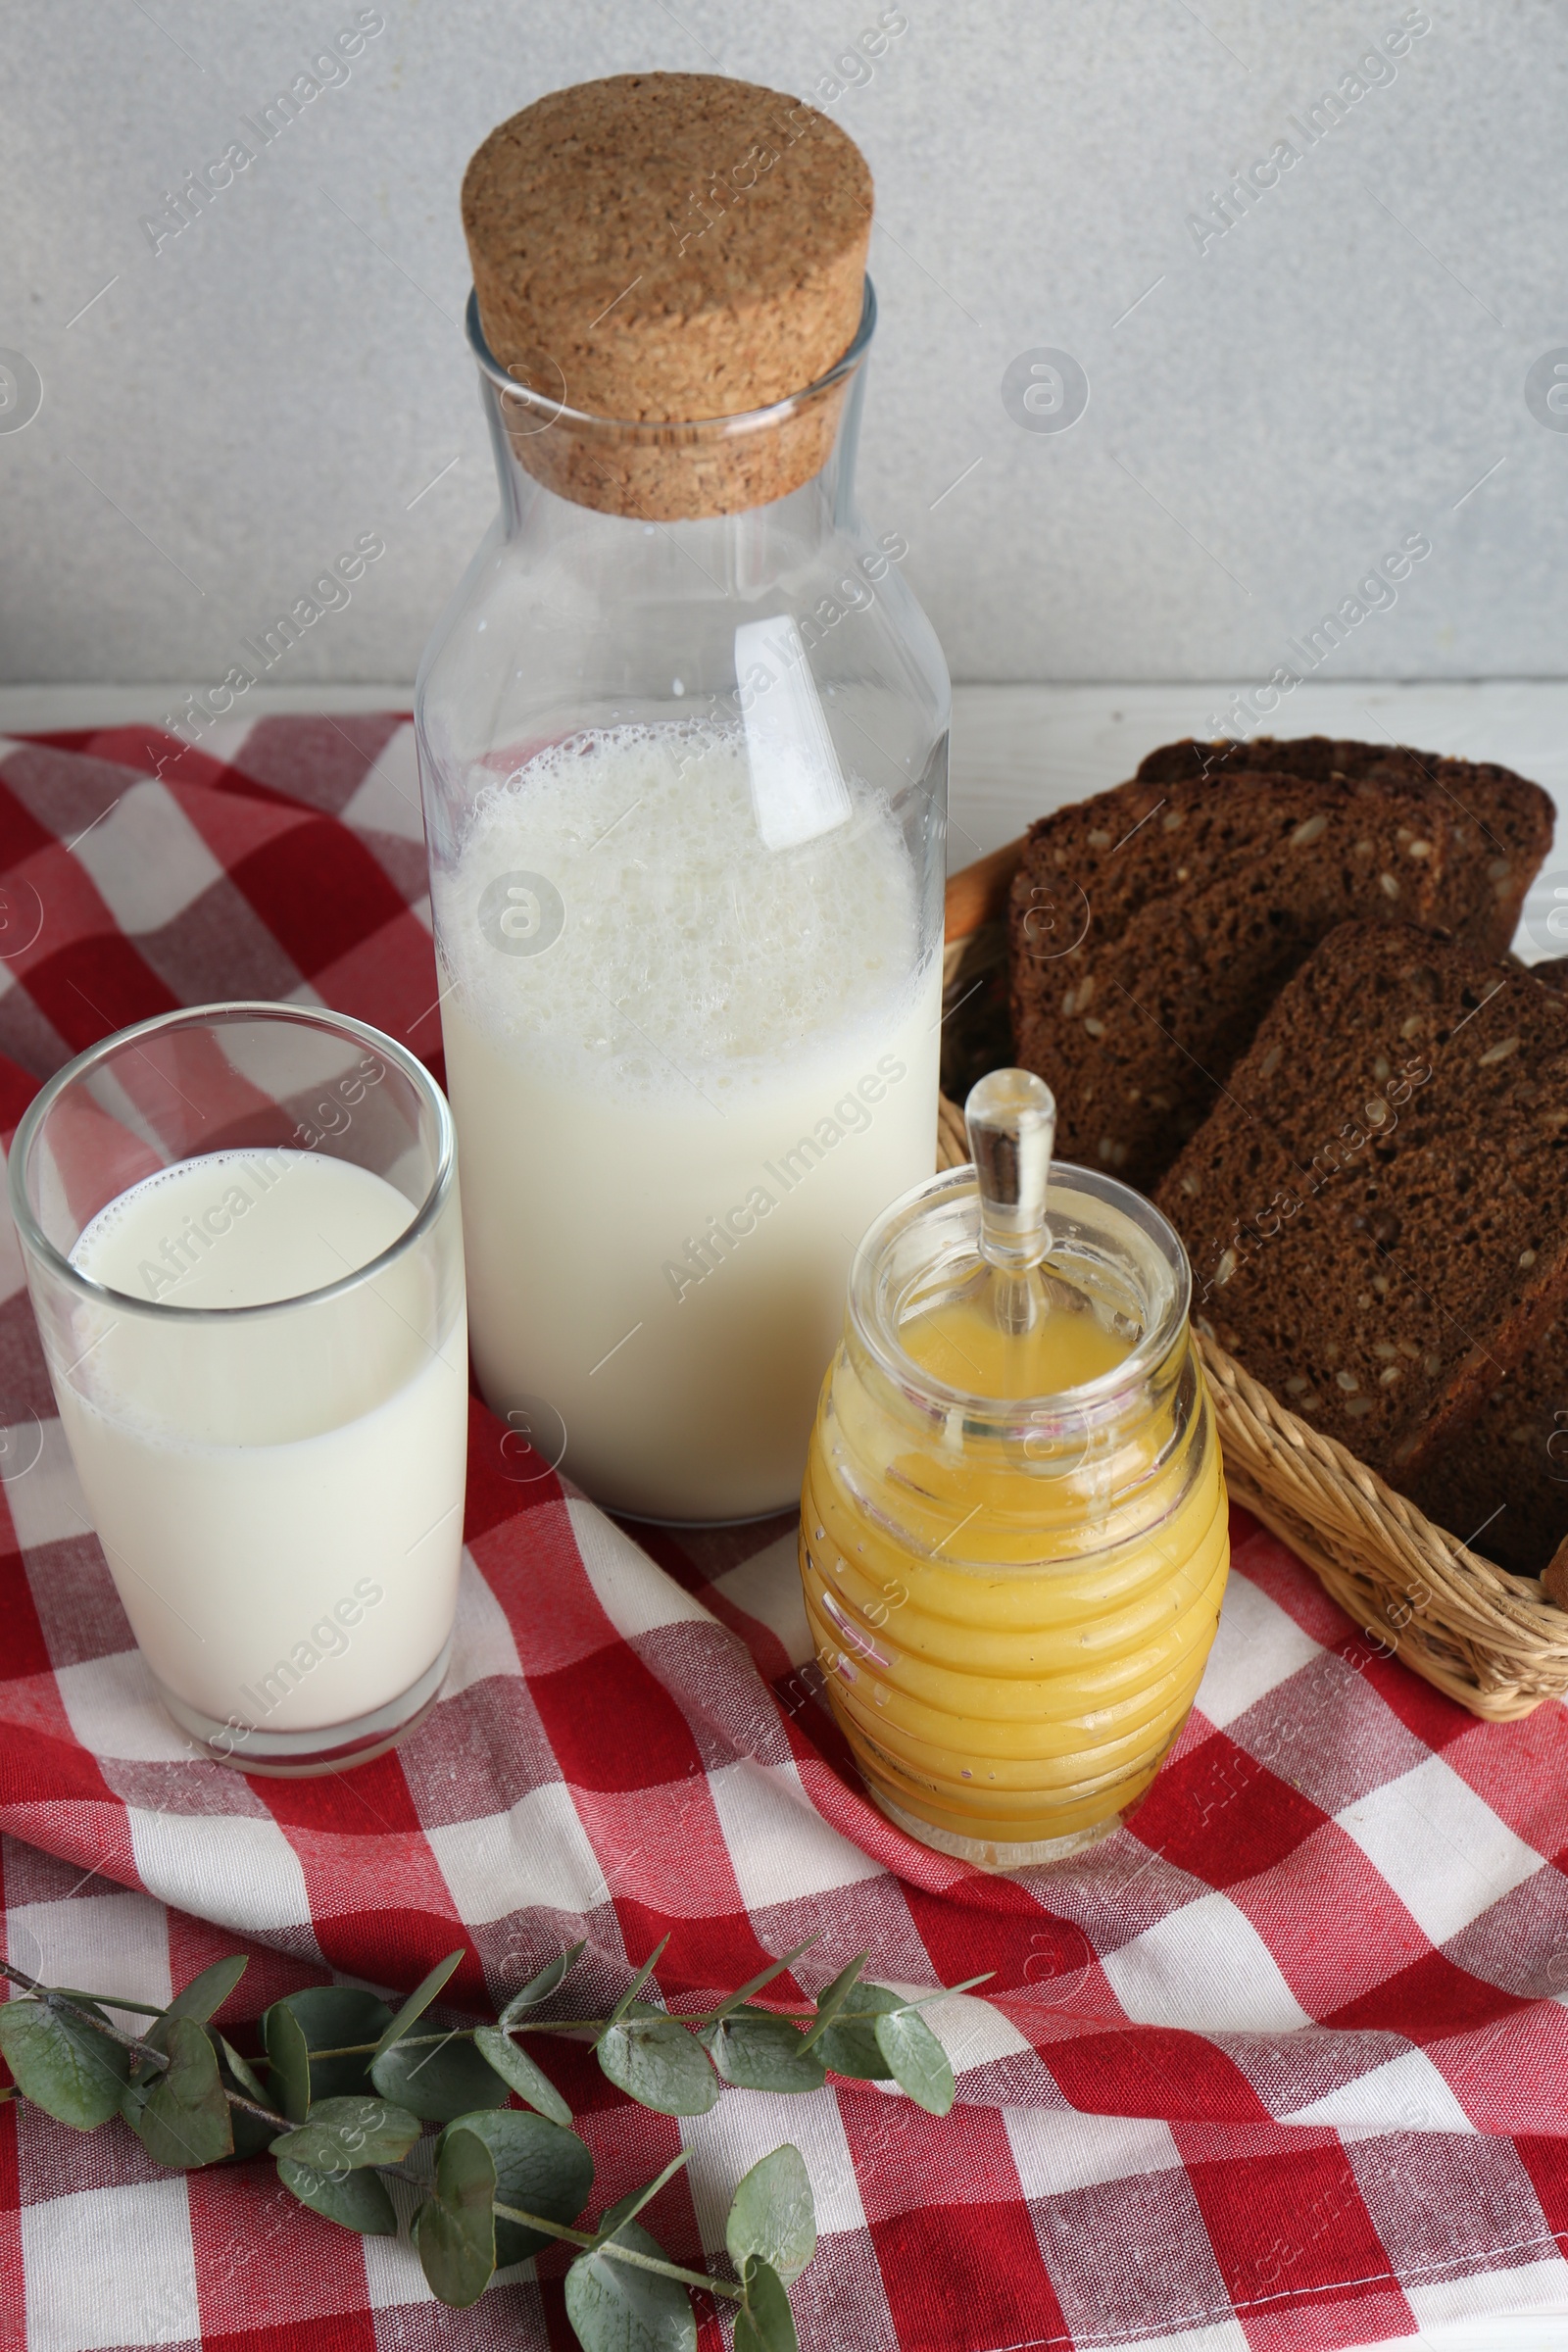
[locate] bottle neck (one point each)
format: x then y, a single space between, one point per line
792 461
617 488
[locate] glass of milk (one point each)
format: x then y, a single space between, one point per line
244 1248
684 778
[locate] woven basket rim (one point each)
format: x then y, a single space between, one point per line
1518 1601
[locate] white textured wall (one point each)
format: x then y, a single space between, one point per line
1280 410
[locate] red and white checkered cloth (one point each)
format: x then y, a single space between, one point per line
1282 2065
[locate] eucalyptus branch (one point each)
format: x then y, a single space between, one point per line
688 2018
263 2115
110 2000
56 1999
415 2041
353 2085
585 2239
617 2253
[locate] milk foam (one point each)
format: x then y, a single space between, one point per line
688 950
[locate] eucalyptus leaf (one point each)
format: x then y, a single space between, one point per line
74 2074
766 1976
437 2080
252 2133
335 2017
758 2051
628 2000
771 2216
516 2068
539 1989
106 2000
244 2073
655 2060
850 2045
290 2055
917 2059
206 1994
766 2324
357 2200
628 2207
945 1992
623 2210
183 2120
615 2308
456 2231
418 2001
831 1999
340 2135
539 2169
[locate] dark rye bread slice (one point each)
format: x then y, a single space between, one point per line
1135 1026
1501 818
1501 1487
1137 1045
1088 869
1168 1008
1377 1210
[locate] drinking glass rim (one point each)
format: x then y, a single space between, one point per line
738 420
237 1009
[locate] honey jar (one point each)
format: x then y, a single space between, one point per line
1014 1535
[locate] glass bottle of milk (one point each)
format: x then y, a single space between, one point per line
683 748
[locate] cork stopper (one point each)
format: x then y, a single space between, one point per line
659 248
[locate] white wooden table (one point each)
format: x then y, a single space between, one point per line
1018 751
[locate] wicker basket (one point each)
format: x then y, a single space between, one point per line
1490 1639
